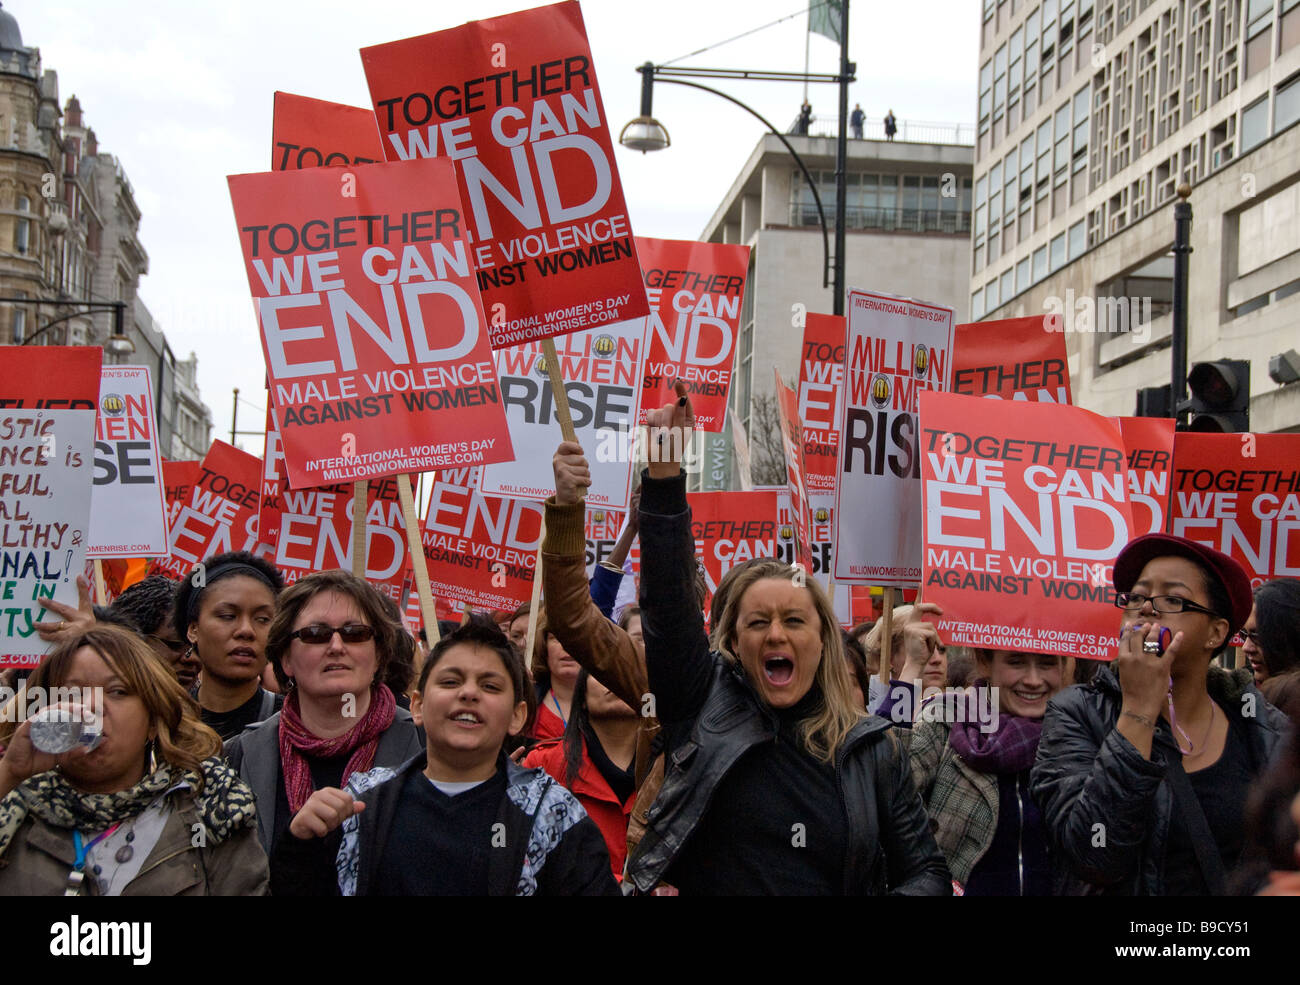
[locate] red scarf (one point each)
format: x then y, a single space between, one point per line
296 743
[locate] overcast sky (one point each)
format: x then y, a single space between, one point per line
181 93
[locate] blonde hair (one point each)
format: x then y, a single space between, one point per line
182 740
826 729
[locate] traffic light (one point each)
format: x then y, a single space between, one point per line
1153 401
1220 396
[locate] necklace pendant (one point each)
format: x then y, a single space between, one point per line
124 854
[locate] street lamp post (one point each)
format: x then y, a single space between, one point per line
645 133
118 342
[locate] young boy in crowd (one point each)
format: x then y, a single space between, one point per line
463 819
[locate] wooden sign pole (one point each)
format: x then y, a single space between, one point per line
360 492
101 590
428 614
887 636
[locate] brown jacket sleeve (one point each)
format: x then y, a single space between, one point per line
604 649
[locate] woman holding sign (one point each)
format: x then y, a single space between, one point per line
1142 775
777 783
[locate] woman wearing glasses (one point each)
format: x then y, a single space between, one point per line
1272 643
330 643
1142 775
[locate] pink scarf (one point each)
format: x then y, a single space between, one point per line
296 743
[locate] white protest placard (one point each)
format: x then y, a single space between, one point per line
602 370
47 427
896 347
128 503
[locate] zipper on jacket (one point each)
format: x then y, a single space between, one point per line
1020 835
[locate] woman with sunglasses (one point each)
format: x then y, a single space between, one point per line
330 644
1142 775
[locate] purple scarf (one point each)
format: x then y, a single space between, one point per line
1011 749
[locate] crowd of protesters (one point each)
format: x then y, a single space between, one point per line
753 748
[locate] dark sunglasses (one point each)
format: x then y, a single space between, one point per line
353 632
176 646
1247 634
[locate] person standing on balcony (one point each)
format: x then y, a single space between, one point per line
856 119
804 120
891 125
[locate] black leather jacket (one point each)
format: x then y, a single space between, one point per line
1107 809
712 717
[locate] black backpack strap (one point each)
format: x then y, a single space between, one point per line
1198 828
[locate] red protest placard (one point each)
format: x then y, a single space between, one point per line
55 377
315 534
220 513
1240 494
481 550
1026 507
792 442
821 397
372 328
1149 448
897 349
1012 358
695 292
275 480
731 527
313 133
514 102
178 479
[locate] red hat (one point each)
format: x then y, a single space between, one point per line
1236 584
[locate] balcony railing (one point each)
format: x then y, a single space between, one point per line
909 131
886 220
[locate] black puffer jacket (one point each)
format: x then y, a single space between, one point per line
711 718
1106 808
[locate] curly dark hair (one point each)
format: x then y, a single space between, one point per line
148 603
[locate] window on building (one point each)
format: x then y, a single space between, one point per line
1015 67
1008 286
1259 36
1058 252
1286 107
977 305
22 227
1289 30
1009 194
1254 124
1040 263
986 94
1081 106
1031 60
19 323
1078 239
1061 160
999 83
1022 275
995 196
990 297
1044 150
